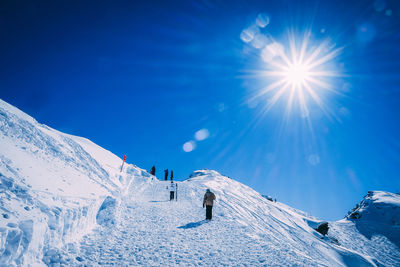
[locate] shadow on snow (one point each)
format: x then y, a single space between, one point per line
193 224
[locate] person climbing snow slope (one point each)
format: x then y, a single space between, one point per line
172 188
208 202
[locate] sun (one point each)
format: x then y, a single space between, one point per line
299 73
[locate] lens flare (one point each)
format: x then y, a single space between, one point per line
301 73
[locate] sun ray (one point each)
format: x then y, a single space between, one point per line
293 51
304 47
269 88
324 74
286 59
301 71
276 96
315 53
290 100
318 100
326 58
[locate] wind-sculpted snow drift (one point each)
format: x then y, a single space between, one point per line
51 188
64 201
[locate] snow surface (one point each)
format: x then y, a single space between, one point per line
51 188
64 201
373 227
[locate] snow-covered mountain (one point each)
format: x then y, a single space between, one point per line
373 227
64 201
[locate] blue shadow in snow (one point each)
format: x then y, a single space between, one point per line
159 201
192 224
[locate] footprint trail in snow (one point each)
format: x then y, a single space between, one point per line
155 231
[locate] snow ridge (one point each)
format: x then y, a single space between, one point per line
51 189
373 227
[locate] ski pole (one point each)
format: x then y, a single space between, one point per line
123 162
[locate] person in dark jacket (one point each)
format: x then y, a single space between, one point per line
166 174
172 175
172 189
153 170
208 202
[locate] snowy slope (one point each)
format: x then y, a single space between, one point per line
247 230
63 200
373 227
51 187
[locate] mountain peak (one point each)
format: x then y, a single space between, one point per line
376 202
378 214
205 172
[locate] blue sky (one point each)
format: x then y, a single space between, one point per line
142 78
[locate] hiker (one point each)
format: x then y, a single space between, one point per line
208 202
172 191
172 175
166 174
153 170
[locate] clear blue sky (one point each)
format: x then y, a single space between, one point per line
142 78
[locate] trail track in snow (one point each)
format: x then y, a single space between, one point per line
153 231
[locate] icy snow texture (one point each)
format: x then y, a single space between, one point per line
63 200
51 188
106 214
